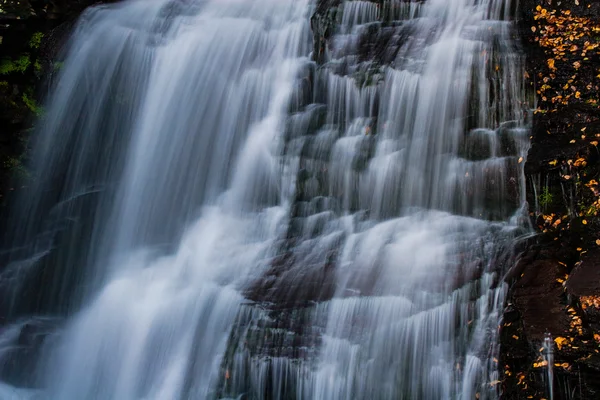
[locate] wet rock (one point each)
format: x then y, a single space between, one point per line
584 280
306 122
302 92
364 153
510 139
321 204
539 297
21 346
277 343
491 184
478 144
323 24
300 276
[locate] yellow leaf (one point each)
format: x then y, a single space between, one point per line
560 341
553 163
556 223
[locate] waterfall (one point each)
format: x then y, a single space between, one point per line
215 215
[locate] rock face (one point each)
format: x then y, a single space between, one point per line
556 285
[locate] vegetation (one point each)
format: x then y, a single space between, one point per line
36 40
32 104
21 64
545 198
16 167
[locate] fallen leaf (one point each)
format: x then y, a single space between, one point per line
560 341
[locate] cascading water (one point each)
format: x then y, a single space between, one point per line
216 216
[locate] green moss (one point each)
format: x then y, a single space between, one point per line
21 64
369 77
10 163
36 40
6 66
32 105
16 168
545 198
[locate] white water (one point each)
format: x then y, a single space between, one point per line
176 114
548 350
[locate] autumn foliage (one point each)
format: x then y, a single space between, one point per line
570 44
